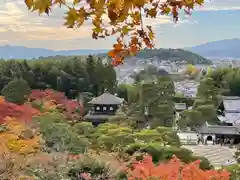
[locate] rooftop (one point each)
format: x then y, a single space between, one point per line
218 129
97 116
231 104
180 106
107 99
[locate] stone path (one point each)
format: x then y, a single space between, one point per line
216 154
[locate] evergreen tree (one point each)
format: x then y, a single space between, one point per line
16 91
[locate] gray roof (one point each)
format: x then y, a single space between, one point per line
231 103
180 106
97 116
106 99
230 117
218 129
238 126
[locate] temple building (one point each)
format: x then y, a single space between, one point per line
103 107
229 122
229 110
218 133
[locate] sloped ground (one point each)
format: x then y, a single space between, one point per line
216 154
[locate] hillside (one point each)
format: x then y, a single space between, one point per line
173 55
223 49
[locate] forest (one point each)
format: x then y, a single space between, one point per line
70 75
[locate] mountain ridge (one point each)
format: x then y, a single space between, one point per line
22 52
221 49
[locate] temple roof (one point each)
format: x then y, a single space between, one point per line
230 118
180 106
97 116
218 129
107 99
231 103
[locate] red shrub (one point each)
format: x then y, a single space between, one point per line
69 107
173 170
23 112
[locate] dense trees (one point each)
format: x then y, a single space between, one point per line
173 55
69 75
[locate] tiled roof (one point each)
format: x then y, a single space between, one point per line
231 103
107 99
180 106
218 129
230 117
97 116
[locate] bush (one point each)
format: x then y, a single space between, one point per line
237 155
234 170
94 169
16 91
161 153
59 135
84 128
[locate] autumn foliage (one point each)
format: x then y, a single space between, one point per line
121 18
173 170
21 112
18 138
52 99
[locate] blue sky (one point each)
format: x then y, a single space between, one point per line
217 20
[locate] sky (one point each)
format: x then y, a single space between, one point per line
216 20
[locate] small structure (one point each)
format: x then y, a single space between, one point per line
188 137
103 107
213 132
180 107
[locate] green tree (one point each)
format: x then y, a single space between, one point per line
158 98
16 91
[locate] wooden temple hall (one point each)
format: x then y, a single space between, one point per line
228 129
103 107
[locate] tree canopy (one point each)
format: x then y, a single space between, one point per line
124 19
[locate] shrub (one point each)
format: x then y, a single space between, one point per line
88 167
234 170
173 169
16 91
160 153
237 155
59 135
84 128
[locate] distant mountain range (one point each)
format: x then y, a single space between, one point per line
20 52
223 49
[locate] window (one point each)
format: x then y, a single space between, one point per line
104 108
97 108
111 108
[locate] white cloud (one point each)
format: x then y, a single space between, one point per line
19 25
16 21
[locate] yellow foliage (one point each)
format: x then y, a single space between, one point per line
2 99
11 141
25 178
49 105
